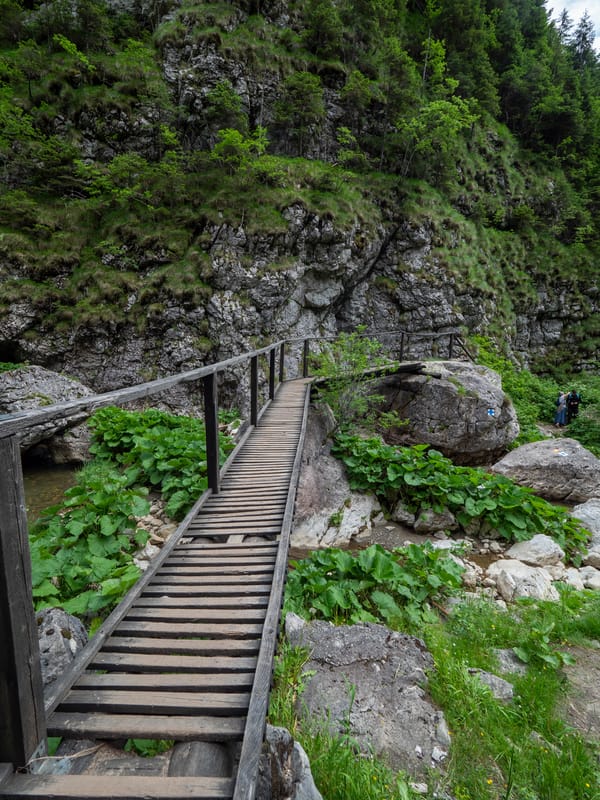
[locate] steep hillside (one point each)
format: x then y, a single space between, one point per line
181 180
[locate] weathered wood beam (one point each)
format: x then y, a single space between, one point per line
22 719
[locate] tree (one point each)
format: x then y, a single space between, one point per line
237 152
429 137
301 106
224 107
324 31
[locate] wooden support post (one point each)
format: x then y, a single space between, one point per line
281 362
305 355
211 424
22 718
254 390
272 374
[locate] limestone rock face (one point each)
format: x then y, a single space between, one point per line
35 387
455 406
389 710
555 469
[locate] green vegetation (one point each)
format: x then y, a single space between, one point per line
397 586
338 773
158 450
520 749
423 478
479 120
342 363
82 551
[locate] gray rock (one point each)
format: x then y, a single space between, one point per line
539 551
500 689
284 769
590 577
429 521
556 469
514 579
589 514
457 407
30 388
61 636
370 682
327 512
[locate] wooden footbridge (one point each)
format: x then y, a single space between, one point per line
188 653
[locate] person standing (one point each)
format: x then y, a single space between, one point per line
560 417
573 400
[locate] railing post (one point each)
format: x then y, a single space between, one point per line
211 425
401 346
305 355
281 362
451 346
254 390
22 717
272 374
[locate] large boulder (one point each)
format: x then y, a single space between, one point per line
455 406
369 681
557 469
26 388
327 512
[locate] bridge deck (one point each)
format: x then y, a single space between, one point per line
190 657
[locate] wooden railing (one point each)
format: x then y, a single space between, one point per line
22 715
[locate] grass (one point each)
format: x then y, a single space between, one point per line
521 750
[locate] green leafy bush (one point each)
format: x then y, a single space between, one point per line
343 363
375 585
81 552
425 479
157 449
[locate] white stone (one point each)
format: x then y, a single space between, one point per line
515 579
573 578
592 559
590 577
539 551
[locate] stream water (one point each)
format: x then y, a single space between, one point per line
45 486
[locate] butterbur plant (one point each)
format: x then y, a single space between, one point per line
422 478
396 587
82 551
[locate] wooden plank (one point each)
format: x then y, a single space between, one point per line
231 630
116 787
252 743
182 647
159 662
136 726
190 615
183 682
170 586
191 604
113 701
188 571
22 718
206 590
227 559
